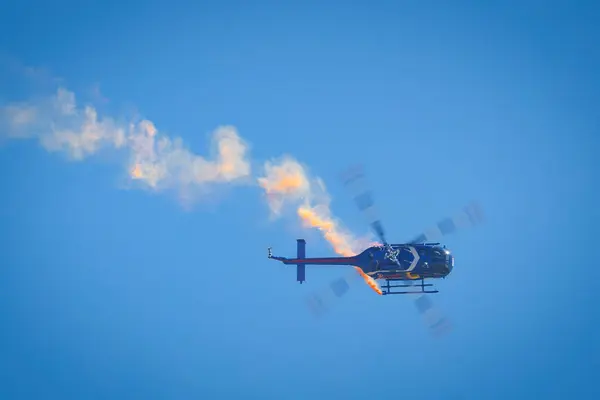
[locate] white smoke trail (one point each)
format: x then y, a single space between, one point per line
158 161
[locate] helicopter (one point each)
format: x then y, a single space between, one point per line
389 262
399 265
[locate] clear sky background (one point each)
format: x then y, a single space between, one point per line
108 292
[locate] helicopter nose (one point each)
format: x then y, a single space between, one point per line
450 263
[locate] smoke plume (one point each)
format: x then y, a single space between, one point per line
156 160
160 162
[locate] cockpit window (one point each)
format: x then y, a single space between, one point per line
439 255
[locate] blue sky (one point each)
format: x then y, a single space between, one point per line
108 291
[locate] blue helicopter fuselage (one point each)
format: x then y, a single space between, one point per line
424 260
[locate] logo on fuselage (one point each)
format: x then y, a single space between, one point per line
392 255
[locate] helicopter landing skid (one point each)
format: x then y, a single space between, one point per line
387 288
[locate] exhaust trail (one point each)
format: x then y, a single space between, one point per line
155 160
158 162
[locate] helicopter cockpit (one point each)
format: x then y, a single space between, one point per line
441 256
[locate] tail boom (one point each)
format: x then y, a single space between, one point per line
301 261
319 261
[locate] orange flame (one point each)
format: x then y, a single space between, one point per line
136 172
338 240
341 241
369 281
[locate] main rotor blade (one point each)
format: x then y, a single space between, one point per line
469 216
354 179
322 301
435 321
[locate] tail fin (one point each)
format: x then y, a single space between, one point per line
301 268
